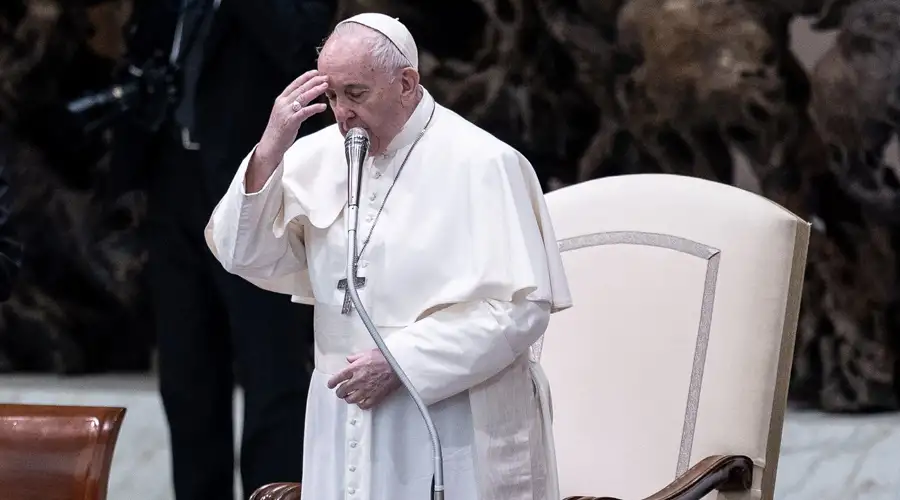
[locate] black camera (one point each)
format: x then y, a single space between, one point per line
145 95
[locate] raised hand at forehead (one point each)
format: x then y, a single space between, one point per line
291 108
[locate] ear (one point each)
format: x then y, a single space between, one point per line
409 82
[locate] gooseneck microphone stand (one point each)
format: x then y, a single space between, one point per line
356 149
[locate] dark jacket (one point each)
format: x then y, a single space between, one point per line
254 49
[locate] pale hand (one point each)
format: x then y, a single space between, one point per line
367 381
290 110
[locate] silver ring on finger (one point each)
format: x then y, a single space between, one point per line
296 106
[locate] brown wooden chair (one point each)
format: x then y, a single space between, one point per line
278 491
728 473
57 452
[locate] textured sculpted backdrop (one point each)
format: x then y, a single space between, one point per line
585 88
78 307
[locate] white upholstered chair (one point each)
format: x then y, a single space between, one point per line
669 375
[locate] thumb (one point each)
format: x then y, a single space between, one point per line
353 357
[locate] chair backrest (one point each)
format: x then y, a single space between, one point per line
679 345
57 452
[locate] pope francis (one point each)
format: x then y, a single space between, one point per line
458 268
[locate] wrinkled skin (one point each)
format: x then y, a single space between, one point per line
366 381
363 95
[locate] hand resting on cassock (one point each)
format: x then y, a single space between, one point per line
367 381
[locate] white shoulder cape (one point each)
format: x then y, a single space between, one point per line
465 197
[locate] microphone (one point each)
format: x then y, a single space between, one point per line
356 149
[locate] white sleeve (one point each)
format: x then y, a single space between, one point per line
241 231
465 344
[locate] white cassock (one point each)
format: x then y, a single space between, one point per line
462 274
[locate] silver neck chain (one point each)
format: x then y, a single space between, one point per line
393 183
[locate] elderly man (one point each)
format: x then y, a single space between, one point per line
458 268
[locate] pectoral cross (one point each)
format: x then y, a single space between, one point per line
359 281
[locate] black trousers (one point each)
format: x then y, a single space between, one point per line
214 330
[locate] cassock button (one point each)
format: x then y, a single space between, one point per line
377 174
351 490
372 197
353 444
364 263
353 422
352 468
369 218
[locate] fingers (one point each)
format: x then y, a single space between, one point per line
355 397
307 92
372 400
345 389
307 111
353 357
341 376
300 80
351 391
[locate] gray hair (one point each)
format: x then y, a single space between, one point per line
385 55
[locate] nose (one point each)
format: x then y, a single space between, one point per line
342 112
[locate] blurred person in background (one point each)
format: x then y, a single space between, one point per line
207 72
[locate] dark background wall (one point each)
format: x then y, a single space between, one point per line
795 99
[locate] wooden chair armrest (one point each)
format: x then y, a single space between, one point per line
277 491
721 472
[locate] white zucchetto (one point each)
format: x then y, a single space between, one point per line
394 30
